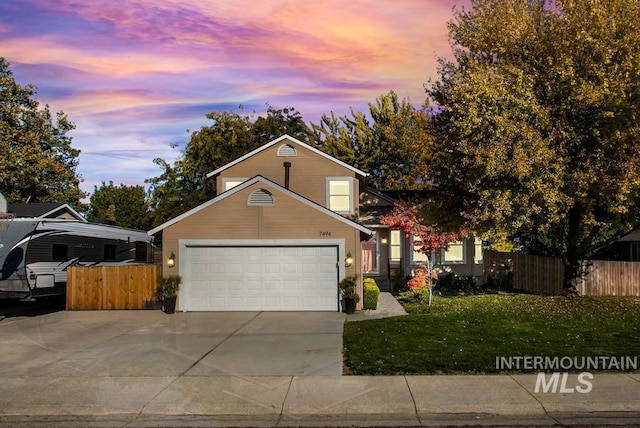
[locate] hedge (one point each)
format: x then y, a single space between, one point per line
371 294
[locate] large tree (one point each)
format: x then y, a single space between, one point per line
392 145
125 206
37 162
184 185
537 124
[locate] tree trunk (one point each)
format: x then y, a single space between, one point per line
571 258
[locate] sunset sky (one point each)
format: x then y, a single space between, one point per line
135 75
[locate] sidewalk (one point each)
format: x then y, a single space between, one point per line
314 401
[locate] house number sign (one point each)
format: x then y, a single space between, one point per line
325 233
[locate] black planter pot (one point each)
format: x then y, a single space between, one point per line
169 305
349 305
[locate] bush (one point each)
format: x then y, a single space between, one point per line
454 284
371 294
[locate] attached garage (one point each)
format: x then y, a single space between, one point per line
242 276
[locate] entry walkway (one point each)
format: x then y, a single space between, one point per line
388 306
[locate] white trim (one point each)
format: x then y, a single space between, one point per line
250 182
184 244
278 140
454 262
351 209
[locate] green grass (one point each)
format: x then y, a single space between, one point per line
466 334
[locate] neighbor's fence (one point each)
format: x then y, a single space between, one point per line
112 287
544 274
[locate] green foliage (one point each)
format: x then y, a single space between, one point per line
184 185
348 287
371 294
168 286
394 148
126 206
37 162
457 285
466 334
537 124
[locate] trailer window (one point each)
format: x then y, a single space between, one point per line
141 251
109 252
60 252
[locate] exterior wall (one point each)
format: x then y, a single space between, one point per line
307 175
232 218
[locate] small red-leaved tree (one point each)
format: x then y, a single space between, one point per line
405 216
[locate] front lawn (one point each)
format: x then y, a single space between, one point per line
466 334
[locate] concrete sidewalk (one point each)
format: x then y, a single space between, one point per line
314 401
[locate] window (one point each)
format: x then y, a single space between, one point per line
60 252
370 255
230 183
419 257
109 252
455 254
339 194
477 253
395 246
141 251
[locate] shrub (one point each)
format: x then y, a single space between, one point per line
169 285
348 288
371 294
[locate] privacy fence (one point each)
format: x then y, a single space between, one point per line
112 287
538 274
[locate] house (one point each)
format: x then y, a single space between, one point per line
287 224
389 256
44 210
279 235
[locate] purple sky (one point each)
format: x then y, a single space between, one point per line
135 75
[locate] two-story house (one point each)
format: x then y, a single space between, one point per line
279 235
288 223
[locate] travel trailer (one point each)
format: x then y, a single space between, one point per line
36 252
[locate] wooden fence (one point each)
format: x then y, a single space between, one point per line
544 274
112 287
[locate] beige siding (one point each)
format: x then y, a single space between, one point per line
308 172
232 218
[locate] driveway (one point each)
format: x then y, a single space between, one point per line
151 343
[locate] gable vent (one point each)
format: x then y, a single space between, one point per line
287 150
261 197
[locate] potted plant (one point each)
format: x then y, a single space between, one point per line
349 296
168 287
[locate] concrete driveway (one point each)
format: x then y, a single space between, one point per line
151 343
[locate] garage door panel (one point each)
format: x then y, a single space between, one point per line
261 278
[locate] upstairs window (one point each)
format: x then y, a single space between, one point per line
230 183
340 194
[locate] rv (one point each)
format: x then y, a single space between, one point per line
36 252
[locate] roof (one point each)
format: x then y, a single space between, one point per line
280 140
250 182
43 210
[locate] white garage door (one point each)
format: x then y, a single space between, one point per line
277 278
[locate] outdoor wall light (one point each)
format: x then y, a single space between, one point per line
348 261
384 241
171 261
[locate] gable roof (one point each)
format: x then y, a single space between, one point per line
250 182
43 210
280 140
